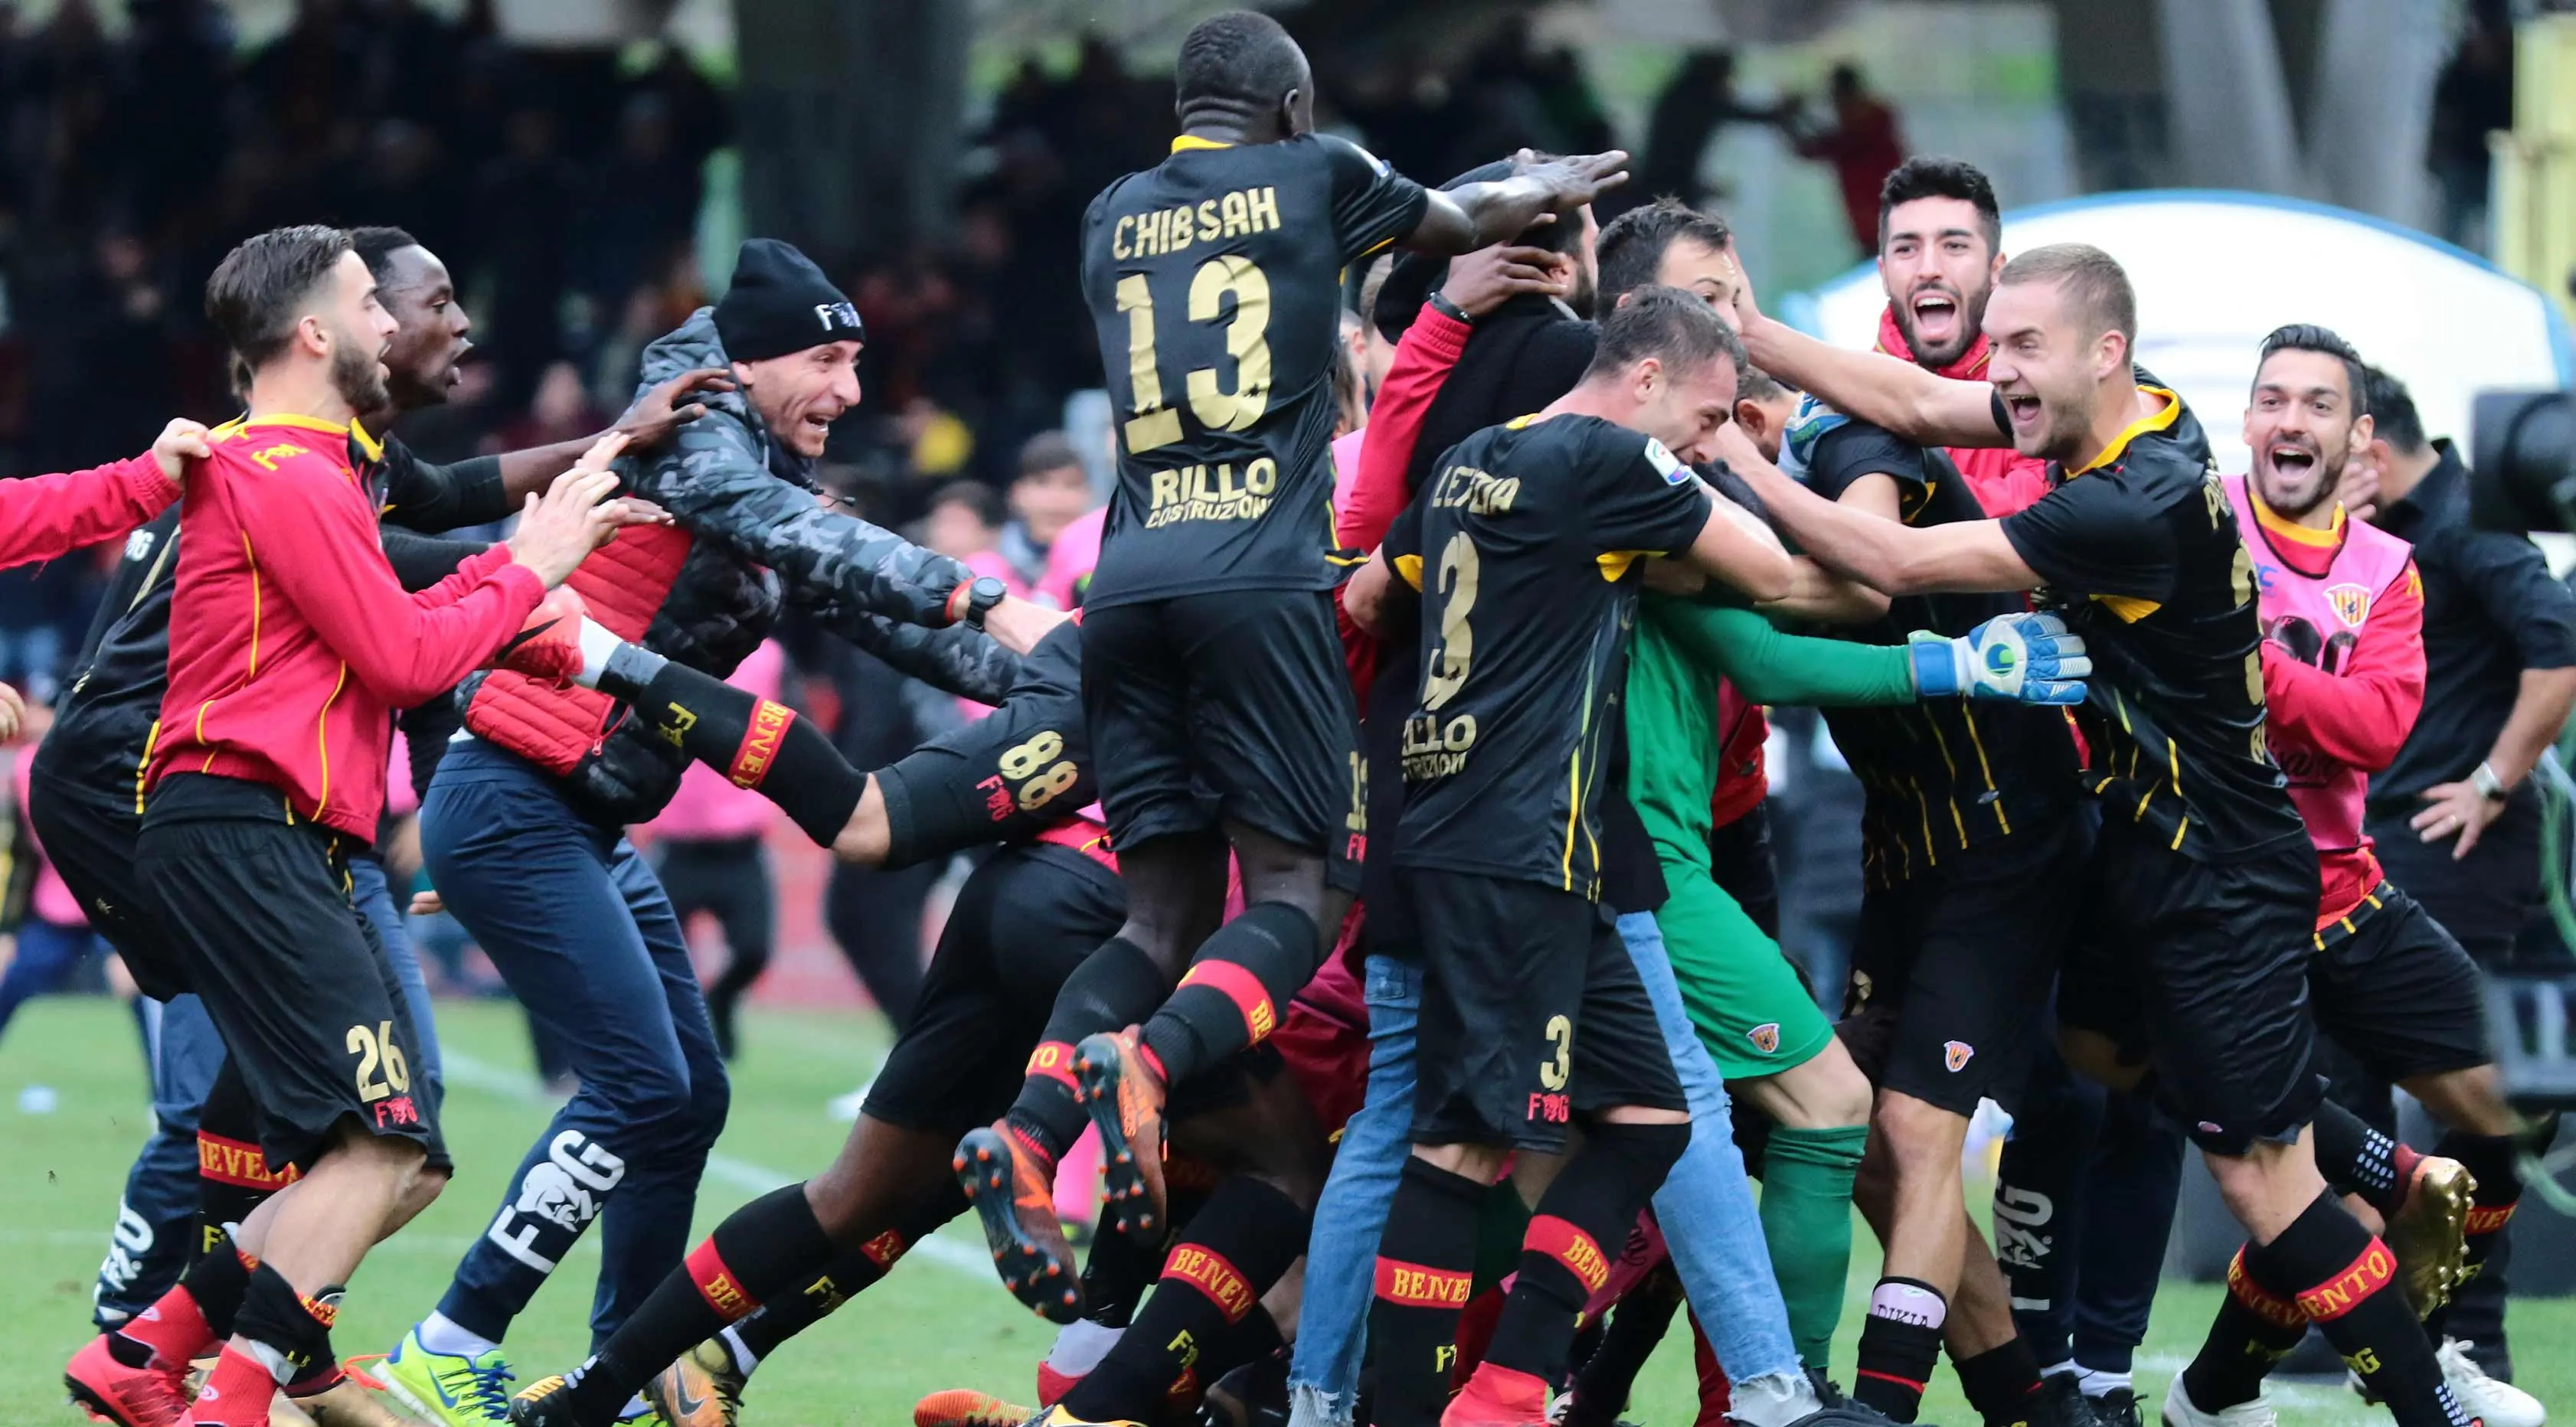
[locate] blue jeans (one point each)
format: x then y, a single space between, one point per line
578 926
1341 1255
1706 1207
158 1214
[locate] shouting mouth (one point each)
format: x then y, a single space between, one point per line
1936 315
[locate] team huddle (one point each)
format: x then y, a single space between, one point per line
1375 859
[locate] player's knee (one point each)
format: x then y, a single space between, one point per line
2470 1099
421 1187
1920 1137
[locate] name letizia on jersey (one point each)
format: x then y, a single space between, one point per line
1169 230
1202 492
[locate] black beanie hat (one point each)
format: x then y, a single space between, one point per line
781 303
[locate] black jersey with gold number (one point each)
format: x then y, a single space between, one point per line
1943 775
2140 553
1217 276
1525 545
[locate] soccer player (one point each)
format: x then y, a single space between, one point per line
2206 884
522 829
85 800
2343 675
291 641
1213 677
1973 850
1940 246
1532 537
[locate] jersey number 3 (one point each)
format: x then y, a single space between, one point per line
1247 341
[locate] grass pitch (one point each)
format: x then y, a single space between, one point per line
940 1321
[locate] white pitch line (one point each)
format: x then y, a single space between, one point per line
469 1071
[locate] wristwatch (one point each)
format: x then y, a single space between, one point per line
2489 786
971 601
1439 302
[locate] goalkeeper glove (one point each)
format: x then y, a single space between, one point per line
2024 657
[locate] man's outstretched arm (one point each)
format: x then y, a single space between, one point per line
1922 407
44 517
1885 555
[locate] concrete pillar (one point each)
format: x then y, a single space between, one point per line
2371 109
2227 107
850 120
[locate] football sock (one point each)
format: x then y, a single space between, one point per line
770 1247
1426 1260
442 1334
1582 1219
758 743
2348 1285
1806 1223
2257 1324
2359 1160
196 1314
1604 1381
1900 1340
2490 1160
2001 1383
851 1272
287 1332
1115 986
1231 995
1227 1257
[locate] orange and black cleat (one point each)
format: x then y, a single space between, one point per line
1014 1196
1125 1097
965 1407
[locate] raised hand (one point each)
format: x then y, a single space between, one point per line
659 410
2021 657
574 517
180 442
1576 179
1487 278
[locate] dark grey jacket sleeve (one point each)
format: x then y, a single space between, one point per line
713 476
960 659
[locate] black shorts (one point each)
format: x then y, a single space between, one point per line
1532 1014
89 837
2205 966
290 971
2395 990
1022 923
1217 708
1001 778
1951 968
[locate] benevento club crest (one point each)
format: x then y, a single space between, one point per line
1765 1037
2351 603
1957 1054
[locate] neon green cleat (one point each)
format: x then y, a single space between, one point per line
446 1389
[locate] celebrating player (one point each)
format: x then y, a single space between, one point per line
288 619
1213 677
1531 536
2206 882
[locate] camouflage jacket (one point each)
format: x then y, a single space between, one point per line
762 539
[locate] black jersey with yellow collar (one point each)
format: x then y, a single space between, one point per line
1525 543
1215 282
2140 553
